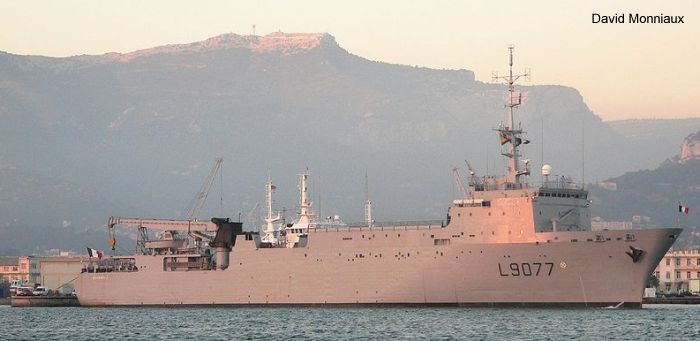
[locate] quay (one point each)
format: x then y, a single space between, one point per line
672 300
44 301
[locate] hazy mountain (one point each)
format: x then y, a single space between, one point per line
658 138
657 194
38 213
143 128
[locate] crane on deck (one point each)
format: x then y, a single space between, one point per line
187 225
201 196
458 180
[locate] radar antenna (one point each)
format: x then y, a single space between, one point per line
509 134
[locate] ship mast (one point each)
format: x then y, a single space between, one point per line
269 219
368 204
509 134
300 228
305 213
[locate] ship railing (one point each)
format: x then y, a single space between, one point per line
172 264
493 185
111 265
385 226
555 182
559 183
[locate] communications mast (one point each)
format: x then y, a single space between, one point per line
510 134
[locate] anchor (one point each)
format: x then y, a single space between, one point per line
635 254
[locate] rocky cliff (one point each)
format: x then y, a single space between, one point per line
690 149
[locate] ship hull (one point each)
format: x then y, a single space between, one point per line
355 267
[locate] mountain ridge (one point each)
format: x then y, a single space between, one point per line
144 132
284 43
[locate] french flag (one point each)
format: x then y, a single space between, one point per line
683 209
94 253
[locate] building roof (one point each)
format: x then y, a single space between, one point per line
680 253
5 261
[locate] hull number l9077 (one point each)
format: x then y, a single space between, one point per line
525 269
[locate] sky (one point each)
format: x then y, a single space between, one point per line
622 70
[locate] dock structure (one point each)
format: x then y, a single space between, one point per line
44 301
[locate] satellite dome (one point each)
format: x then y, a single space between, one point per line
546 170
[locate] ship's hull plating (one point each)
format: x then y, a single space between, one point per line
401 267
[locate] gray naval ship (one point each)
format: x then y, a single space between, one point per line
505 242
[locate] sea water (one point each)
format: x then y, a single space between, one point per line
653 322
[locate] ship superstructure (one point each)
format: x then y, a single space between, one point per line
271 230
505 242
278 234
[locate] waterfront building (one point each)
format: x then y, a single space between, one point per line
50 272
58 273
677 270
29 268
24 268
9 269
